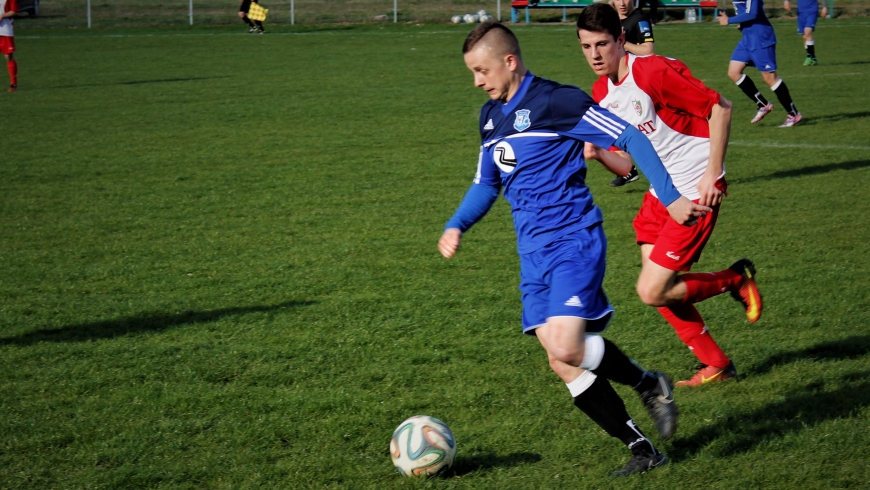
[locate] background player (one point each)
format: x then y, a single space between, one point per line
8 8
808 14
638 40
757 48
243 14
688 124
532 132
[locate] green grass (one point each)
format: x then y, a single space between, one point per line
219 269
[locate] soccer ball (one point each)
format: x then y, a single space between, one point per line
485 18
456 19
468 19
422 446
481 13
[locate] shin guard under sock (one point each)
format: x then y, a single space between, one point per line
703 285
690 328
595 397
784 96
748 87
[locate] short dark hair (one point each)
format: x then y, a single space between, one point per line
504 38
599 17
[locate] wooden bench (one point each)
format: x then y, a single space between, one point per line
518 5
689 4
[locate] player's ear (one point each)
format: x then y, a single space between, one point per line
620 41
511 61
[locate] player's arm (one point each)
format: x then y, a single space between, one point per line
643 31
644 49
720 131
744 17
681 209
474 206
618 162
13 9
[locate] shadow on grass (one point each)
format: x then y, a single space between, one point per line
811 170
848 348
835 117
464 465
146 322
135 82
811 406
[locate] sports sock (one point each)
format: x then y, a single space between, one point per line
248 21
605 359
690 328
784 97
703 285
12 66
748 87
595 397
811 49
259 24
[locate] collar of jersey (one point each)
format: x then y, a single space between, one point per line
627 73
518 97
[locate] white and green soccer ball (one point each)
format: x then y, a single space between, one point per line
469 19
485 18
481 13
422 446
456 19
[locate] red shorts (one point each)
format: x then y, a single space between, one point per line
675 247
7 44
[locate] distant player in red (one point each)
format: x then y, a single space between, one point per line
8 8
688 125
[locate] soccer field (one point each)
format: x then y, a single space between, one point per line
218 268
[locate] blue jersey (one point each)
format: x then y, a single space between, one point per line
757 31
533 148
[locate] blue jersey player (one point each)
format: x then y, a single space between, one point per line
757 47
533 132
807 15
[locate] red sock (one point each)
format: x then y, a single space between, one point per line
703 285
12 66
690 328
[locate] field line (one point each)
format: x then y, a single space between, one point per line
766 144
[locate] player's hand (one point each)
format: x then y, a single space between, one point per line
723 19
685 212
590 151
787 6
711 195
449 242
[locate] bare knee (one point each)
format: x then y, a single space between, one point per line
559 356
651 294
735 75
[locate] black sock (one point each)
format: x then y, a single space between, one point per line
811 51
248 21
616 366
604 406
748 86
784 97
259 24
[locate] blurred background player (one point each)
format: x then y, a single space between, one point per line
757 48
7 40
243 14
639 41
653 9
807 15
688 125
532 134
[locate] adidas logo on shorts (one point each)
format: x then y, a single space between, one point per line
574 301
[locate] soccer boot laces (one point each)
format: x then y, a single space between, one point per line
792 120
762 111
625 179
747 294
710 374
659 403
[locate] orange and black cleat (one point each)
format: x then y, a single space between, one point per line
748 293
710 374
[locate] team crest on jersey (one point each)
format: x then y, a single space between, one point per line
523 122
637 107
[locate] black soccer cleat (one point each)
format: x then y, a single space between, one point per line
641 463
625 179
660 405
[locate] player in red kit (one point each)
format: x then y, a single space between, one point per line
8 8
688 125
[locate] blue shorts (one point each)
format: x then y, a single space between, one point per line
807 19
762 58
565 278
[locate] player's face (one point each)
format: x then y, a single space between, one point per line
602 51
491 72
623 7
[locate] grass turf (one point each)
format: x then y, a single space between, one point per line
219 269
